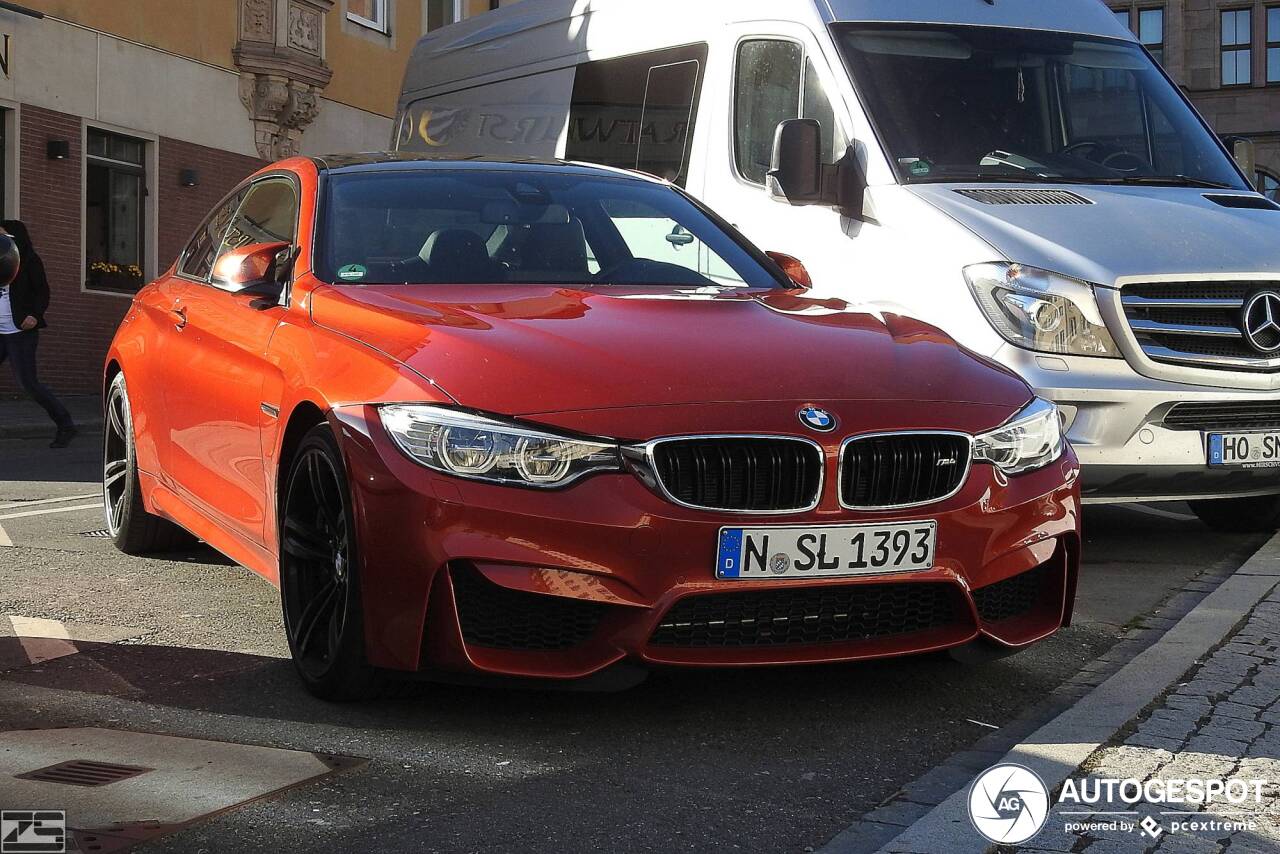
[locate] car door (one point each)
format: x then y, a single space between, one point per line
772 73
218 368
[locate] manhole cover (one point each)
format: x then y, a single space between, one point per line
84 772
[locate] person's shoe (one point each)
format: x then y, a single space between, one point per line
64 437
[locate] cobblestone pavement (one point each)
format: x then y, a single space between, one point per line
1221 724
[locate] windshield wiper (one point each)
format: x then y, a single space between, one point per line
1168 181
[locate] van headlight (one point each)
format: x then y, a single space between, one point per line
1041 311
472 446
1030 440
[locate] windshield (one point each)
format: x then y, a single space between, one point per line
966 103
471 226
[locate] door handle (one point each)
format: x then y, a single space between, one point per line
180 318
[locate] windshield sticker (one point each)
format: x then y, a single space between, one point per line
352 272
917 166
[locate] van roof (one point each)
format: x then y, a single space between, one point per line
557 33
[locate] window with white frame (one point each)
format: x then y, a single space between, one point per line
1273 44
115 211
441 13
1151 31
369 13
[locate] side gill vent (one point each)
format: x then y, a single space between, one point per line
1249 203
1021 196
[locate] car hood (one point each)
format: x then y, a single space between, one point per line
1125 231
539 349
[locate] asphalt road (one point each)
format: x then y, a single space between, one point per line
764 760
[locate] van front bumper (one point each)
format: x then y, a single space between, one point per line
1116 421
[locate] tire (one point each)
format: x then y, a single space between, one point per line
319 582
133 530
1260 514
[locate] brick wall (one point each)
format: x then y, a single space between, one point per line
81 323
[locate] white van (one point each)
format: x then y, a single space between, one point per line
1020 173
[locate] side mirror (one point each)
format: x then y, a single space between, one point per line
256 268
794 269
795 175
10 260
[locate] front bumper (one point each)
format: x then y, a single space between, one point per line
467 577
1115 419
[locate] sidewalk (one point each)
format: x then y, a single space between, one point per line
1200 703
22 419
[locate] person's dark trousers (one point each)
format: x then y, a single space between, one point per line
20 349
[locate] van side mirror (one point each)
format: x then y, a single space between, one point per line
795 173
257 268
794 269
799 177
1245 153
10 260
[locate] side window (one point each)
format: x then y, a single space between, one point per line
766 92
268 214
638 112
197 260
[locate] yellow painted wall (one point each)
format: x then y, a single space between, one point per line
367 67
200 29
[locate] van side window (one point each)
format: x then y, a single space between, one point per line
766 92
197 259
638 112
769 89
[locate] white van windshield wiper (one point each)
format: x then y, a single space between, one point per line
1167 181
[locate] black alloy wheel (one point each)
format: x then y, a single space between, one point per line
319 583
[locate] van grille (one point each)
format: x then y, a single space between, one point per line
1233 415
741 473
1196 323
899 470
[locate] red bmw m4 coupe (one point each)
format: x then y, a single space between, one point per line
539 419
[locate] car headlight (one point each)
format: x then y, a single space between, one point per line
473 446
1030 440
1041 311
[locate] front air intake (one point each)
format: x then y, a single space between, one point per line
1021 196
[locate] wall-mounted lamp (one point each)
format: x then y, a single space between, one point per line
59 149
189 178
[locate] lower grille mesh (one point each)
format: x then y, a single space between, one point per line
498 618
807 616
1241 415
1014 596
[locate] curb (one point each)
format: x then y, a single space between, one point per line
1057 749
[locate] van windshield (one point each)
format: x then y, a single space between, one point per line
956 103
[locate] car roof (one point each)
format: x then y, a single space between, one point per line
400 161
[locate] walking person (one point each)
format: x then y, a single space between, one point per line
22 307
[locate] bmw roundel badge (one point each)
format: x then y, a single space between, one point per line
816 418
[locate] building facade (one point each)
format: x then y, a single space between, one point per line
123 123
1226 56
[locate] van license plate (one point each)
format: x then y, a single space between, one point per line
754 554
1243 450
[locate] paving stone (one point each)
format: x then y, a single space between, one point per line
1236 710
1216 746
1156 742
1128 761
1178 843
1232 728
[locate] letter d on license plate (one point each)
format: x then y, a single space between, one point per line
825 551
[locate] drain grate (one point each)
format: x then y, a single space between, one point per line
84 772
100 534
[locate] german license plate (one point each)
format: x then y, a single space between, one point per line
752 554
1244 450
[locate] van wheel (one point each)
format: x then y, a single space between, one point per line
319 580
1259 514
133 530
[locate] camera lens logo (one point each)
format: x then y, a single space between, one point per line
1008 804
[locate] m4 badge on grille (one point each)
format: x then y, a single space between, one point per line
817 418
